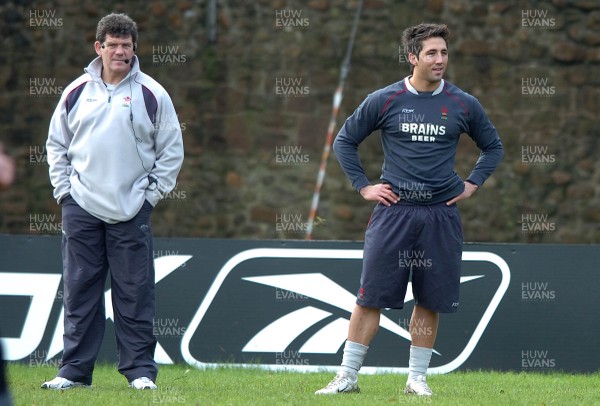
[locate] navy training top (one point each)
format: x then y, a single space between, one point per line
419 134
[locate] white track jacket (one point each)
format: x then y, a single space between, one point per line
105 150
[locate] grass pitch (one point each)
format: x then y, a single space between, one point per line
182 385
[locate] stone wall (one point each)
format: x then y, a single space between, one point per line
255 100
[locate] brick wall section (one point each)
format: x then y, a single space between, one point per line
533 67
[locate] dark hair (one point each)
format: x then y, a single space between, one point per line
413 37
116 25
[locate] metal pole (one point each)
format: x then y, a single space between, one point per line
211 21
337 101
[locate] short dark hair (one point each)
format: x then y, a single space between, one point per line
413 37
116 25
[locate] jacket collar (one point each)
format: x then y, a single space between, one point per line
94 69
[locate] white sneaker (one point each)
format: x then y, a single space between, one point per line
142 383
63 383
418 386
340 384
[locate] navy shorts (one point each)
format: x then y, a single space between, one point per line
421 244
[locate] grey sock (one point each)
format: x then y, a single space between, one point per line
354 355
419 361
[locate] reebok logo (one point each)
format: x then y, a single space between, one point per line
318 326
